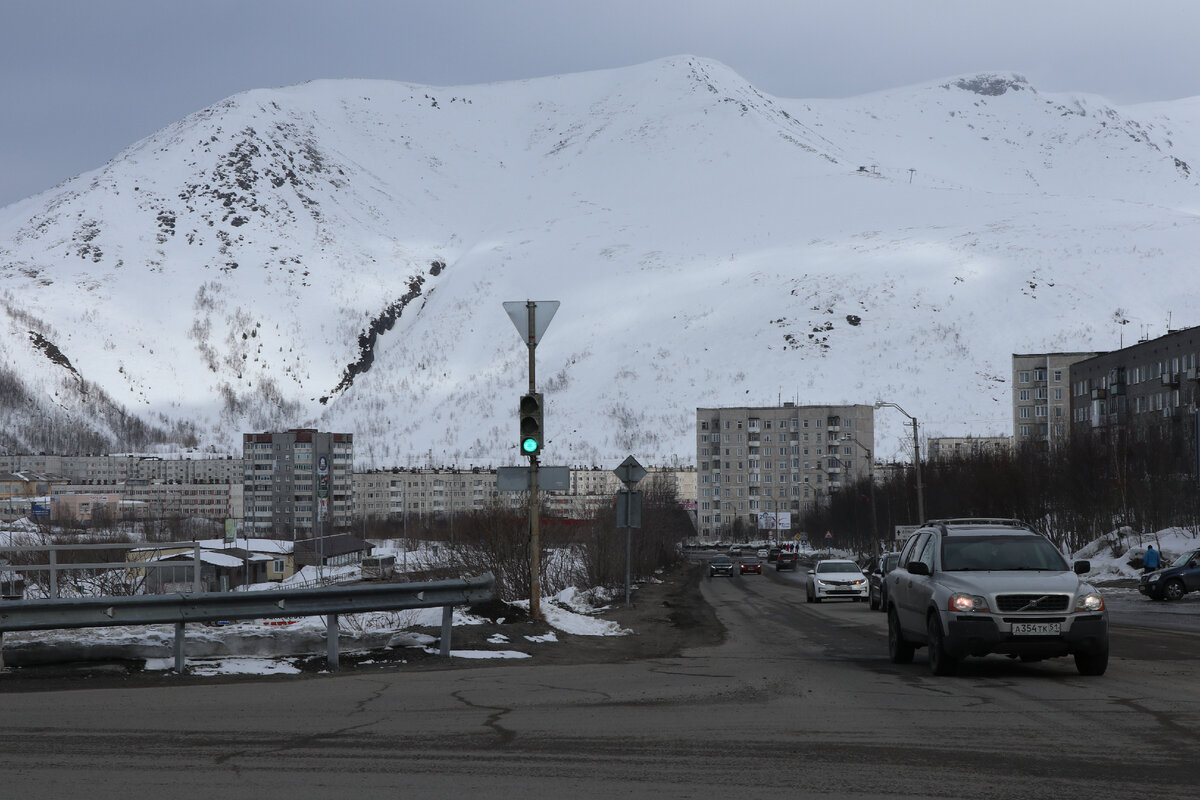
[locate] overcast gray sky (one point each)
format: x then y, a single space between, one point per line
82 79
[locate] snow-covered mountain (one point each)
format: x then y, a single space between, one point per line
336 254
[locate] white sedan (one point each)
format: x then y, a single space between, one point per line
835 578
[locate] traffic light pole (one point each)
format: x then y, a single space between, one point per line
535 508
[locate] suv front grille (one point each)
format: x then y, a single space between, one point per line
1032 603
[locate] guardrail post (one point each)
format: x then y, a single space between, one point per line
331 640
1 651
447 620
53 572
179 658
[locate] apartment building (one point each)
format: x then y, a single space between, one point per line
1041 401
942 448
1149 388
110 470
783 459
297 481
401 491
414 492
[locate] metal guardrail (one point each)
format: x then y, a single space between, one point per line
180 609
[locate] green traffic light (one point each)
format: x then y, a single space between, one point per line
529 445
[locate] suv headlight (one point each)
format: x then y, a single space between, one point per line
1155 577
967 602
1092 601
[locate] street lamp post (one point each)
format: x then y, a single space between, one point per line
916 458
871 478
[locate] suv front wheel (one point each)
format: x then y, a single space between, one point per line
1093 663
900 651
940 662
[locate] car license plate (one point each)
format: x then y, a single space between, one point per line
1036 629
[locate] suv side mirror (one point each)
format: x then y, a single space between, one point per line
1083 567
917 567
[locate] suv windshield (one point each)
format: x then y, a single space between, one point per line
1000 553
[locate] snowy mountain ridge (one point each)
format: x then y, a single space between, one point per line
335 254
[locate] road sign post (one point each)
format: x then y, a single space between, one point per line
629 473
531 325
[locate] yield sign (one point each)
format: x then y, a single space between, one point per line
630 471
542 312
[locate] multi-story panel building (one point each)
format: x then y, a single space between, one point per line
298 481
948 447
1041 401
1149 388
113 470
408 493
783 459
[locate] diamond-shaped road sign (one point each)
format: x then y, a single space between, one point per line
630 472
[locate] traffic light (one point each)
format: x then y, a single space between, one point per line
531 423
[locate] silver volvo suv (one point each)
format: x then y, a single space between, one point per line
970 587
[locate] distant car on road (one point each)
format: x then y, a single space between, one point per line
750 566
877 591
835 577
1175 580
720 565
785 560
763 553
773 555
734 552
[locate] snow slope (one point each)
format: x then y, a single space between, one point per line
336 254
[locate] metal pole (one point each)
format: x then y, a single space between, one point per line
535 510
196 568
628 558
917 462
180 662
331 641
447 624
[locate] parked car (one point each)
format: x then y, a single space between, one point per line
773 555
877 588
1174 580
720 565
750 566
785 560
970 587
835 577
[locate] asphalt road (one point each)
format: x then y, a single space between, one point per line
799 700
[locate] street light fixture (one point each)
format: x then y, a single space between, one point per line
916 458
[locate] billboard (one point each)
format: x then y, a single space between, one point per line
774 520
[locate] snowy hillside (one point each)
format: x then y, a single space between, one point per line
336 254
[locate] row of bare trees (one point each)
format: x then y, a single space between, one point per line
1075 494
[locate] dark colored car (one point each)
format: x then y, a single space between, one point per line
877 597
720 565
750 566
773 555
1174 580
785 560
